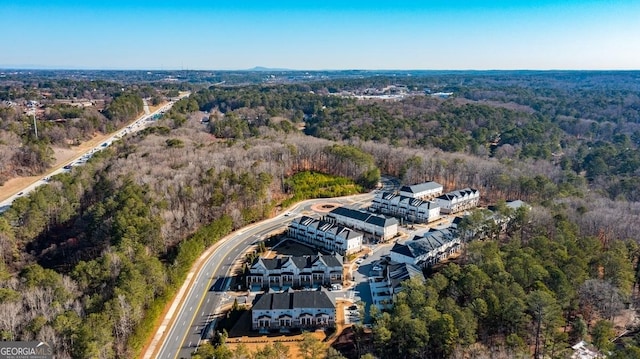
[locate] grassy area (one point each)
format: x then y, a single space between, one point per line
305 185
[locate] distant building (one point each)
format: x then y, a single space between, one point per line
457 201
427 249
582 350
328 236
309 310
442 94
295 271
408 208
426 190
376 225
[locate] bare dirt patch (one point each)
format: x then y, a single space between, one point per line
324 207
62 157
253 341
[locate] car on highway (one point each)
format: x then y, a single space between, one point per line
20 194
359 261
67 167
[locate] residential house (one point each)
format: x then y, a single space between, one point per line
289 310
378 226
295 271
385 281
426 190
409 208
426 249
457 201
327 236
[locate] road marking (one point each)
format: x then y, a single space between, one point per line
189 344
203 312
191 308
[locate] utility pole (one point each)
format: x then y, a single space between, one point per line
35 124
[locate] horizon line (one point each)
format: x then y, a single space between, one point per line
277 69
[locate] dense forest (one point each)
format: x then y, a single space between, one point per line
89 260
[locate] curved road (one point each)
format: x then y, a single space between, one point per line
201 303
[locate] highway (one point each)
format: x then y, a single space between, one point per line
139 124
201 303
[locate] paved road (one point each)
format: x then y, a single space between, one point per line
142 122
201 303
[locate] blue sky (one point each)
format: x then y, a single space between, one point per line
328 34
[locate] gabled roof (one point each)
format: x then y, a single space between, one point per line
410 201
328 227
421 187
459 193
399 272
298 300
305 261
402 249
363 216
425 243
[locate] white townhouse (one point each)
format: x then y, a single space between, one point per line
409 208
459 200
289 310
386 281
295 271
377 225
426 190
427 249
325 235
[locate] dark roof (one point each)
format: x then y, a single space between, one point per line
459 193
307 299
425 243
411 201
421 187
328 227
402 249
304 261
364 216
399 272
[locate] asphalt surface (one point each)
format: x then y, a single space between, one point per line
207 295
142 122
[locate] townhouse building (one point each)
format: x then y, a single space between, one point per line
427 249
327 236
291 310
295 271
425 191
457 201
408 208
375 225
